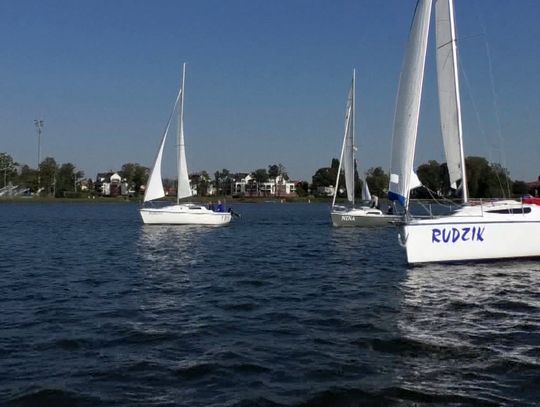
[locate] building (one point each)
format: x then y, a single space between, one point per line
110 184
246 185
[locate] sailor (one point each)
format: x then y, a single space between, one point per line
374 202
220 207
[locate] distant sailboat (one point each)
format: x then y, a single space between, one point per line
185 213
352 216
475 231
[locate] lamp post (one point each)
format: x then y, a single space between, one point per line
39 126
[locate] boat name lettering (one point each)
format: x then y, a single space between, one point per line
452 235
347 218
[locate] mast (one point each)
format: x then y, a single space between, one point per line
352 124
458 103
180 135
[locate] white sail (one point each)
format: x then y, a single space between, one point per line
408 105
154 186
348 150
448 85
184 189
366 195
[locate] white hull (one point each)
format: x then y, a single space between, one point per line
498 230
185 214
362 217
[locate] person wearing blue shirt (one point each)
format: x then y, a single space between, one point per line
220 207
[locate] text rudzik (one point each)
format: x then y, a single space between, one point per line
445 235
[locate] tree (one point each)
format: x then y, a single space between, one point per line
302 188
28 178
47 172
377 181
430 175
520 188
324 177
8 169
135 175
65 180
223 181
261 175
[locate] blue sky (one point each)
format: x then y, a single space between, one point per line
266 83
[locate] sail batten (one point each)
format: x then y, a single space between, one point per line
408 106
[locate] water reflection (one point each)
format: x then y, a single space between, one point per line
472 323
171 244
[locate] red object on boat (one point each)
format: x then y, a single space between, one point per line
531 200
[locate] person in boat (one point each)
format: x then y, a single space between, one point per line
220 207
211 206
374 202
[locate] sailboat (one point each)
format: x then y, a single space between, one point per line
351 215
476 230
179 213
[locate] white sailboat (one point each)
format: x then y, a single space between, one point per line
179 213
477 230
363 215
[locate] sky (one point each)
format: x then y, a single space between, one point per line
267 81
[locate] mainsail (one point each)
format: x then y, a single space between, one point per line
449 100
346 160
184 189
408 106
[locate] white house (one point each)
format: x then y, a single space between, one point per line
109 183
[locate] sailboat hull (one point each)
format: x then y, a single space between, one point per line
362 217
483 232
189 214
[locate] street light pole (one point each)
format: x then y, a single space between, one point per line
39 126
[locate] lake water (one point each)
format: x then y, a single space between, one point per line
279 308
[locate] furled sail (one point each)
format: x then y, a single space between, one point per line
154 186
348 152
448 86
408 105
184 189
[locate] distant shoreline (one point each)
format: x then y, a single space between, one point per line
201 199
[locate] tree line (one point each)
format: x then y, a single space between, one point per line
484 179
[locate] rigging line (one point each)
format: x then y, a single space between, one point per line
482 129
502 155
501 149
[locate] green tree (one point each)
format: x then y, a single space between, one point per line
8 170
28 178
520 188
135 175
261 175
48 170
223 182
377 181
430 175
302 188
324 177
65 180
